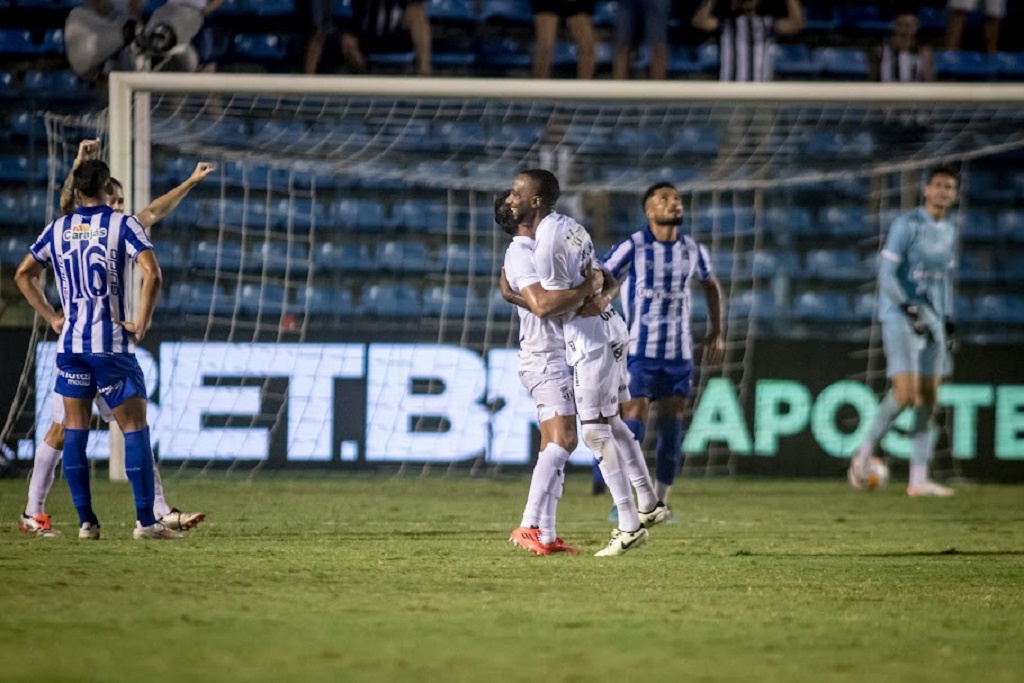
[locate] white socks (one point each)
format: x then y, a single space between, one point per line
548 511
44 468
599 438
922 445
549 465
636 466
662 491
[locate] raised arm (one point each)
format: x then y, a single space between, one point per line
793 22
163 205
704 19
151 279
87 149
29 279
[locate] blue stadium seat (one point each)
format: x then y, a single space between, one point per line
1007 310
391 58
988 185
55 84
278 133
682 60
707 56
960 65
365 215
281 257
843 62
18 169
266 299
833 145
931 18
751 304
725 220
317 300
517 135
260 48
202 298
1010 65
768 264
421 215
725 267
342 9
975 267
1012 267
844 221
227 256
452 302
505 53
702 140
10 209
818 17
392 301
1011 225
434 173
586 137
605 12
795 60
461 135
864 306
977 225
507 11
20 42
14 249
864 18
272 8
27 124
502 310
452 11
404 257
175 299
822 306
464 259
171 256
225 132
6 84
828 264
788 220
302 214
36 205
343 258
640 140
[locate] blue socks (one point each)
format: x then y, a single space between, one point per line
138 465
76 472
668 453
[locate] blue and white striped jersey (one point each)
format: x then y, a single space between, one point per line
89 250
655 278
924 251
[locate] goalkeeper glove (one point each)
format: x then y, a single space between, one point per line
952 340
916 319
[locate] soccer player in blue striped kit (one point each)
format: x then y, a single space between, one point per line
915 307
656 266
88 250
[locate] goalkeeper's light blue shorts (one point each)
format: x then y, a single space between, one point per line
908 352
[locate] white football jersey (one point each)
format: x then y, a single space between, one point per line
536 335
563 248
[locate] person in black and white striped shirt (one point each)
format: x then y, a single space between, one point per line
747 30
900 59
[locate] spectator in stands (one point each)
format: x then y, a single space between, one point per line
376 26
900 58
747 30
995 10
579 19
655 16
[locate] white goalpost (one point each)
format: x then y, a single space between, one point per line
331 290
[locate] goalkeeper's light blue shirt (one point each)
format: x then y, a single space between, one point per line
655 278
923 252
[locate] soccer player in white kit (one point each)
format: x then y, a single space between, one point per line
34 519
596 352
545 374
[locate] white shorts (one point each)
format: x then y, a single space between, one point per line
57 409
600 381
994 9
548 379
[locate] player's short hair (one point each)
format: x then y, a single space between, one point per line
547 184
942 170
654 188
503 214
91 178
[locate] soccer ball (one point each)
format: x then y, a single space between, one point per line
876 474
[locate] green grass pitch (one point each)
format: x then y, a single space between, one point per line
337 577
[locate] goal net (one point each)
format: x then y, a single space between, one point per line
331 291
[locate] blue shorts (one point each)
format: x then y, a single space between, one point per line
906 352
654 379
116 376
655 16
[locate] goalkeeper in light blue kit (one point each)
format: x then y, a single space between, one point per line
916 310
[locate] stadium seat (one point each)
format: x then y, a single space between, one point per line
960 65
452 302
55 84
6 84
1011 225
843 62
589 138
226 256
505 53
822 306
682 60
1010 65
748 304
365 215
272 8
10 209
261 48
820 18
1006 310
21 42
988 185
266 299
281 257
36 207
795 60
461 135
303 214
707 56
864 306
421 215
324 301
864 18
977 225
787 220
342 9
605 12
434 173
404 257
502 309
640 140
844 221
725 220
701 140
278 133
18 169
506 12
392 301
832 145
463 259
826 264
931 18
171 256
27 124
203 298
343 258
517 135
1012 267
452 11
221 133
14 249
768 264
975 268
725 267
